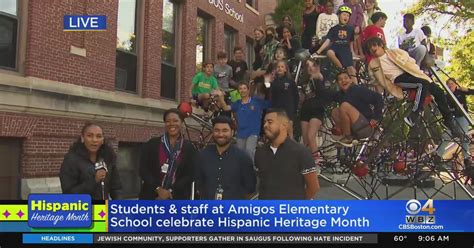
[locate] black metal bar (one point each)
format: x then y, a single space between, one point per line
451 95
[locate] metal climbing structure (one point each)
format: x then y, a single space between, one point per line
399 159
395 161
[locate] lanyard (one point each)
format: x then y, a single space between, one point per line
168 149
169 178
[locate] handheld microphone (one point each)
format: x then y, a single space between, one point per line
101 165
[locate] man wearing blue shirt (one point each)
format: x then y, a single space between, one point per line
248 112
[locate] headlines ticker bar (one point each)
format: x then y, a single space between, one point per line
236 238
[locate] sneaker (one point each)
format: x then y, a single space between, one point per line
347 141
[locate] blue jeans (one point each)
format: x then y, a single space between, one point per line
464 124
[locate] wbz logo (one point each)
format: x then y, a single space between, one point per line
414 207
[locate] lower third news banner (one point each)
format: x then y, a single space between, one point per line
233 238
289 216
72 219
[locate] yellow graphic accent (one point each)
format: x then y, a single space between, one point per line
429 206
14 212
19 213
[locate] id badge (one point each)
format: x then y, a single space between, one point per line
219 193
164 168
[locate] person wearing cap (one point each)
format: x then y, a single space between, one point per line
339 40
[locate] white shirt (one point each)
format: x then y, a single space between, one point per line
274 149
390 69
324 23
415 37
337 4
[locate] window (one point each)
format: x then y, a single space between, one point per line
127 165
126 55
252 3
202 41
229 39
168 50
249 53
10 179
8 33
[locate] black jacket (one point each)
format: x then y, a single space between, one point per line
258 58
150 169
295 46
77 176
368 102
285 95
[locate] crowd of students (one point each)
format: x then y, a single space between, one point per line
265 101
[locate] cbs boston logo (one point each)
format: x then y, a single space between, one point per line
419 214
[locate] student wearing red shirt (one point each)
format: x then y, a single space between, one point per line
374 30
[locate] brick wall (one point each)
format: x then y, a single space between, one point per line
48 46
219 19
46 139
152 49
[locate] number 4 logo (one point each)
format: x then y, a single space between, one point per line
429 206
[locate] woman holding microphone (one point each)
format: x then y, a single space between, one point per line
90 166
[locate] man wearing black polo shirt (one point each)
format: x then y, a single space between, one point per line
285 168
225 172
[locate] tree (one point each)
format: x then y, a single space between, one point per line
294 9
462 60
460 43
460 11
